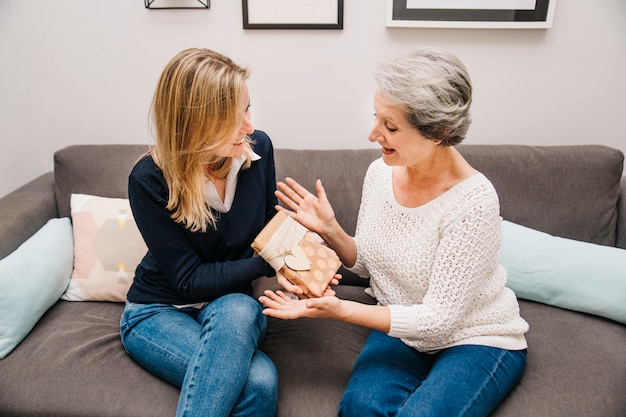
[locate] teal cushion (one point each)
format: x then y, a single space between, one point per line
32 279
565 273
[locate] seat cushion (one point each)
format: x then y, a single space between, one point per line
73 364
575 366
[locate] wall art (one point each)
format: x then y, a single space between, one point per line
292 14
490 14
177 4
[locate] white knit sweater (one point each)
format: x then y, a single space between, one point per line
437 266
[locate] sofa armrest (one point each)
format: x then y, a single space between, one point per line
621 215
26 210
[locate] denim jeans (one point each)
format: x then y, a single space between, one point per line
393 379
210 353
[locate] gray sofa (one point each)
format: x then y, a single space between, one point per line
73 364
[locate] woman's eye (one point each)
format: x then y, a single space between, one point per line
391 129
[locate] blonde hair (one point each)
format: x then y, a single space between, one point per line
196 110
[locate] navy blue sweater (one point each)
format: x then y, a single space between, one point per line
184 267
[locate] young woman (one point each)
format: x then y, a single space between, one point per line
447 337
199 198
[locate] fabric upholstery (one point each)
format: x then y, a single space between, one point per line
100 170
328 165
73 363
575 366
554 197
621 216
26 210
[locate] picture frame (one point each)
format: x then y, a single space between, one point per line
292 14
483 14
177 4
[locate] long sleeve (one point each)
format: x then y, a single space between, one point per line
437 266
183 266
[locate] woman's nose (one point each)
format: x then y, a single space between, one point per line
247 127
375 134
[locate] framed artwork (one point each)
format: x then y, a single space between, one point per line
177 4
490 14
292 14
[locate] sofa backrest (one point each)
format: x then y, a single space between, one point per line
100 170
568 191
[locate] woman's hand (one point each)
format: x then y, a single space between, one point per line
316 214
313 212
297 291
278 304
289 286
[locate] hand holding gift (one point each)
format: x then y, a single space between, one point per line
300 255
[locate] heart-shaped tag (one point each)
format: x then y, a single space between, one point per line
297 259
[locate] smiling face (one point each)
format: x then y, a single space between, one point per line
236 147
402 144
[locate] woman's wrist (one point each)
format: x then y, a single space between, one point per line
331 231
267 270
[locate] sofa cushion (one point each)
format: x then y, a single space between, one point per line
542 200
107 248
539 187
575 366
32 279
93 169
73 364
565 273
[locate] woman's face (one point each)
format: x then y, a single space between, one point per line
402 144
235 148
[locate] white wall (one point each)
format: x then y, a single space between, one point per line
83 71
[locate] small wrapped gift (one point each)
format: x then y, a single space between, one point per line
297 253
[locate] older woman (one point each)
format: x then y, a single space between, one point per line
447 337
190 318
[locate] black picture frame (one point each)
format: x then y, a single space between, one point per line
278 19
174 4
400 13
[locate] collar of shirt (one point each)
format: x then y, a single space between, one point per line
210 193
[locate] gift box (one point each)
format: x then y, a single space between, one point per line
297 253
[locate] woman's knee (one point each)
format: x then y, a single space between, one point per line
242 307
262 377
242 313
355 404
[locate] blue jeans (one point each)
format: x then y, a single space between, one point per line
210 353
393 379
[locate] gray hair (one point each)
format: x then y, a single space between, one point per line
433 87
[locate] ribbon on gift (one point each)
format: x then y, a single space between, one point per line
283 247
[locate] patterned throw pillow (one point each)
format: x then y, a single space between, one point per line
107 249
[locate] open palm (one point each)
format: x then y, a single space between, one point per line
313 212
